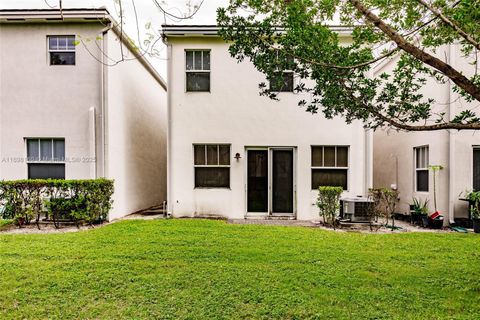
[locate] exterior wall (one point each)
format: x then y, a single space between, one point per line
39 100
234 113
136 134
394 164
393 155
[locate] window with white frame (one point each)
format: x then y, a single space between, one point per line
197 67
282 81
421 168
212 165
61 50
330 166
46 158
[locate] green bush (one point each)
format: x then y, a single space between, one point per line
76 200
328 202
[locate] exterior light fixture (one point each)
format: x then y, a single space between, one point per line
237 156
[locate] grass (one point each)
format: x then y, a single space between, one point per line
200 269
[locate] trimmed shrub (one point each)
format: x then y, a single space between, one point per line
328 202
74 200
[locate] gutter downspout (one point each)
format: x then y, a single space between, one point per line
368 172
451 147
103 172
169 127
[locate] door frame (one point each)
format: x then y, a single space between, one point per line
270 212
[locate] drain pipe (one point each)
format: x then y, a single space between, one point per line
169 207
451 147
368 158
103 172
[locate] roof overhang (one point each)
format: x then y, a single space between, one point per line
212 30
54 15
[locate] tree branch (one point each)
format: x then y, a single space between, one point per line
459 79
450 23
407 127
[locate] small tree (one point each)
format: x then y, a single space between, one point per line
329 202
435 169
390 198
384 203
375 209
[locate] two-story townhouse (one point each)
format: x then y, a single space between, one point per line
403 159
235 154
79 101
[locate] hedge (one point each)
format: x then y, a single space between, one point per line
73 200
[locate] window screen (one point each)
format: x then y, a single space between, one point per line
330 166
197 66
421 169
282 81
61 50
212 165
476 169
45 158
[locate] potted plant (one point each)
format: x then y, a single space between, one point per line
421 210
474 197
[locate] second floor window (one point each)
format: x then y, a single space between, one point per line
197 66
61 50
421 169
46 158
282 80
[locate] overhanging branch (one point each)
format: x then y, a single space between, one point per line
458 78
450 23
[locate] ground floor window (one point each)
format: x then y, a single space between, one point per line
212 165
476 168
421 169
46 158
330 166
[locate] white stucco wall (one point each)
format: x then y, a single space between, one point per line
136 144
234 113
453 150
39 100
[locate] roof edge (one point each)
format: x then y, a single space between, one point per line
47 15
146 64
170 30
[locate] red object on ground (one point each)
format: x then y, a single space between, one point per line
435 215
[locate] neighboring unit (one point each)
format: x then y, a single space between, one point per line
72 108
403 159
235 154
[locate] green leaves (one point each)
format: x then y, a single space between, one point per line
334 66
328 202
85 200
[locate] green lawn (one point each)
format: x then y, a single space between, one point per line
200 269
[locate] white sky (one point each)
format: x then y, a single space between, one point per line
146 10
